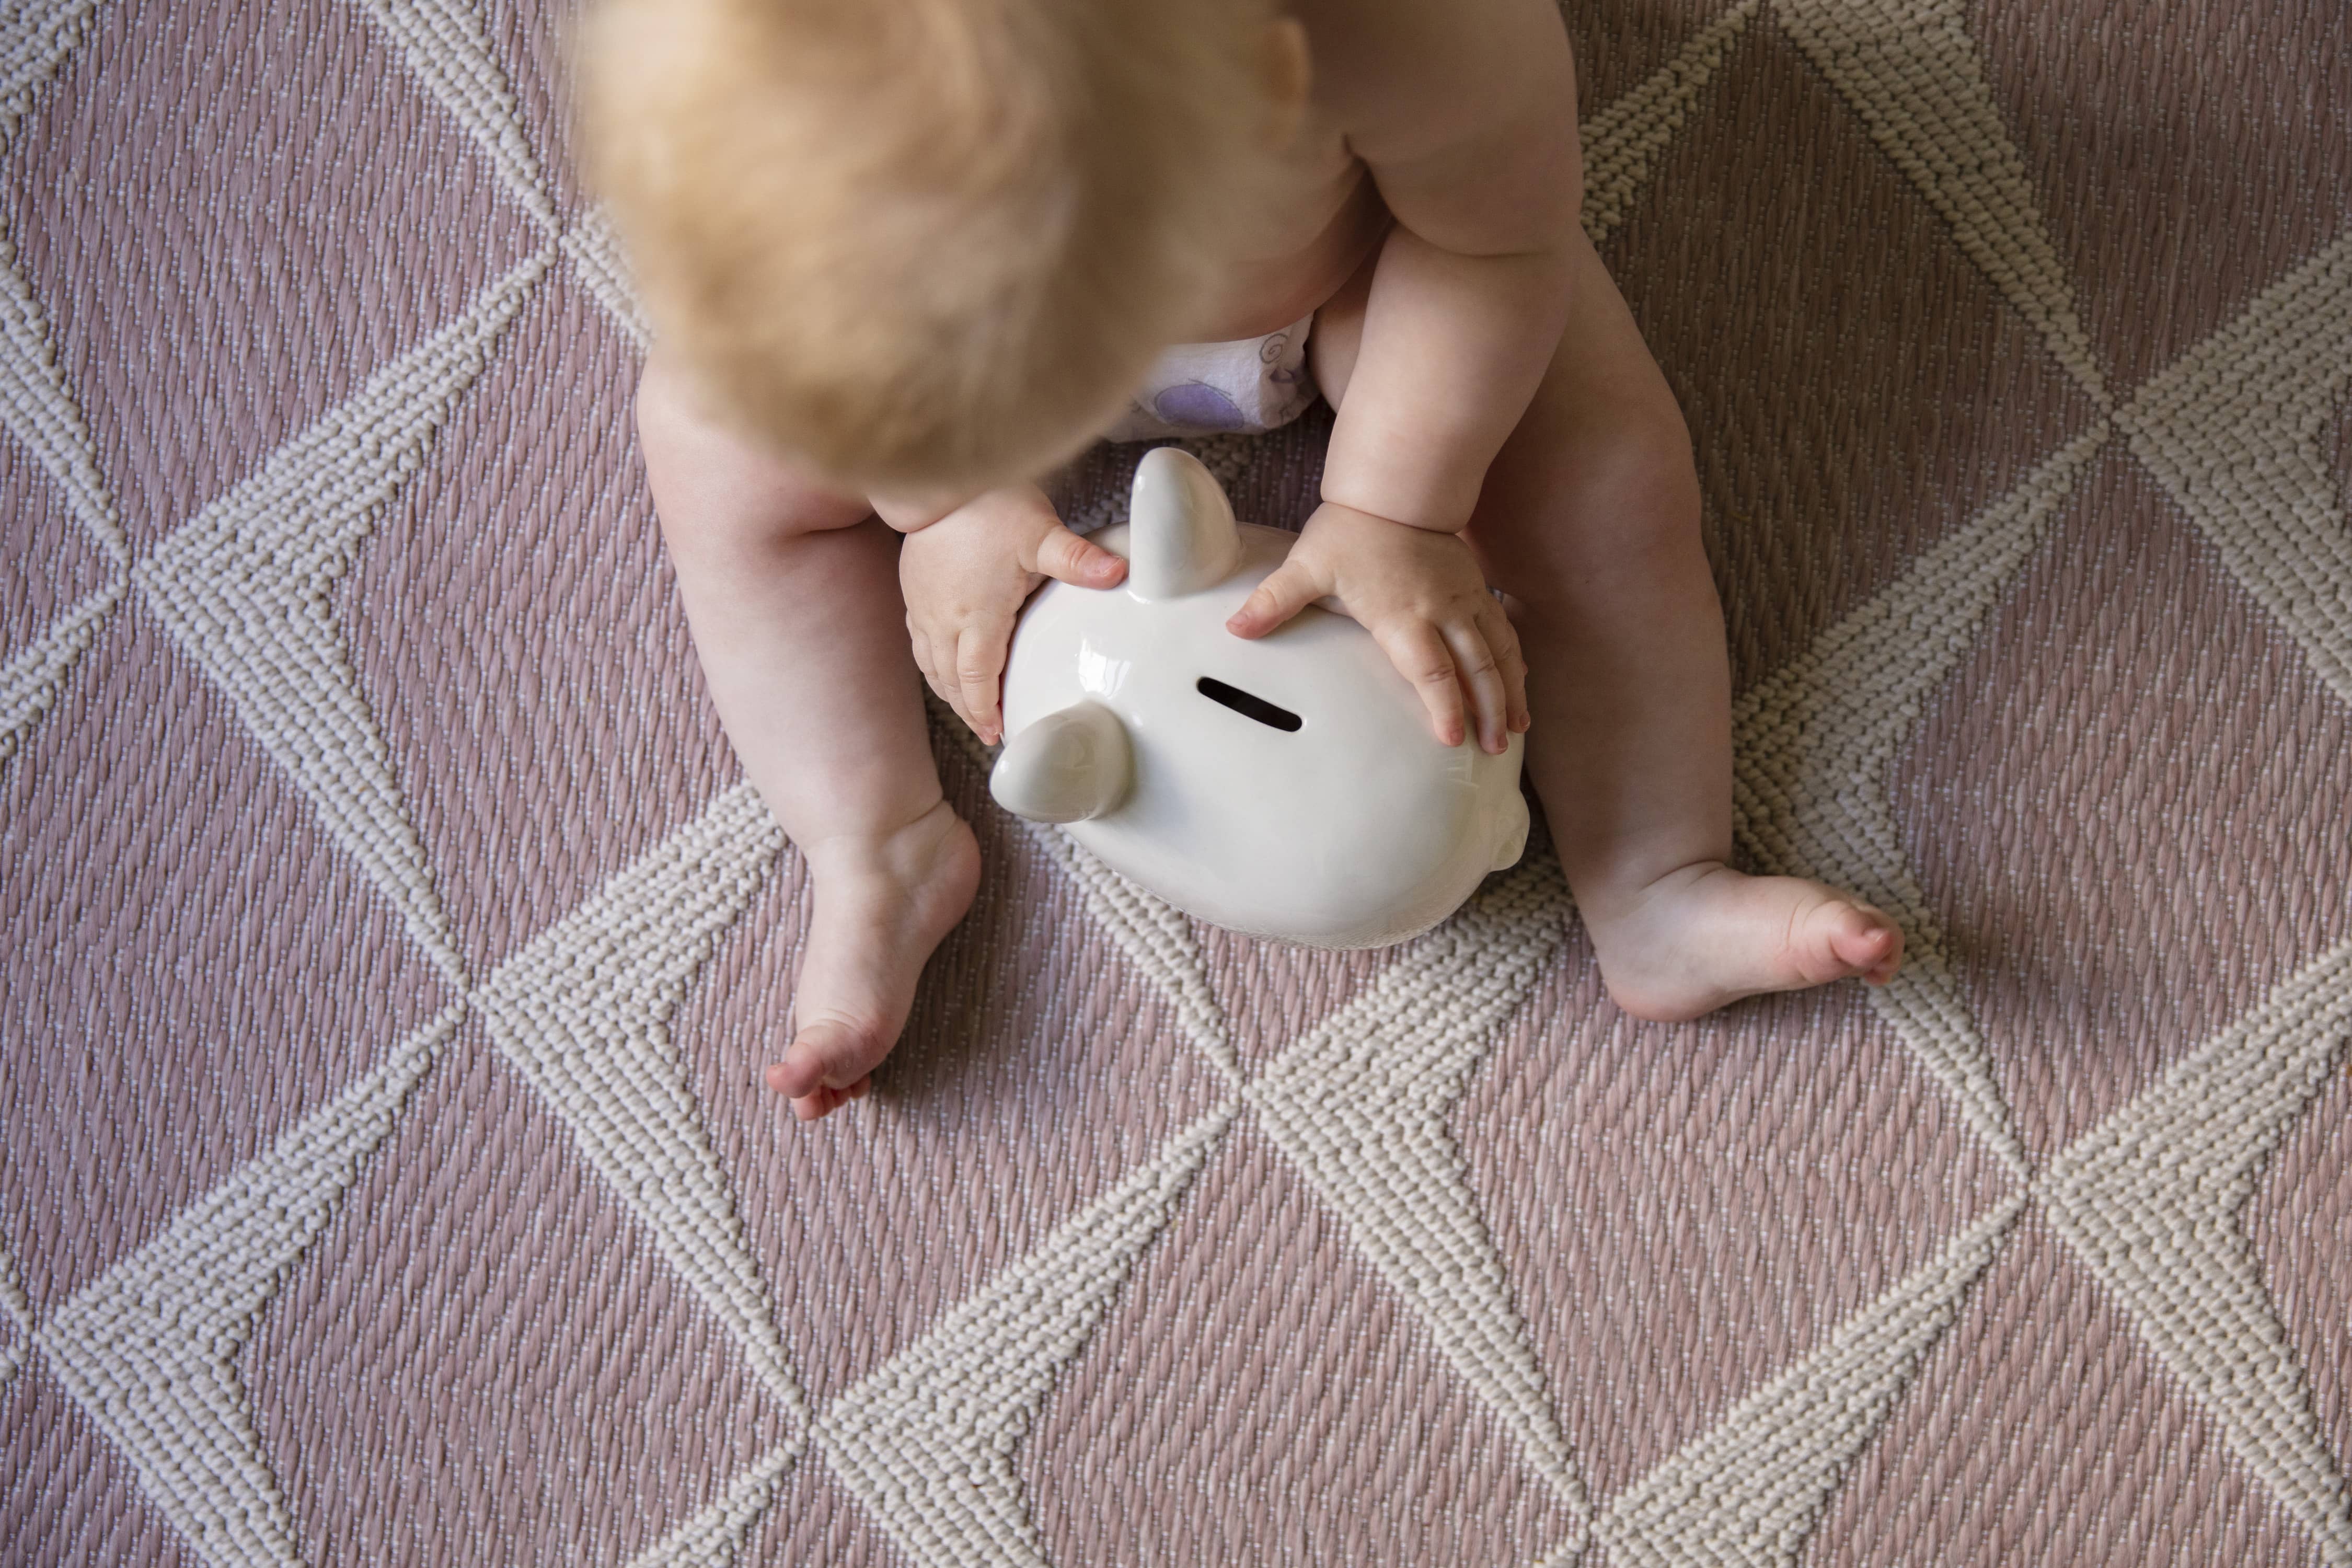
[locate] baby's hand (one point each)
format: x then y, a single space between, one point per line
965 578
1421 596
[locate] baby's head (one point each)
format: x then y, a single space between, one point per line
931 244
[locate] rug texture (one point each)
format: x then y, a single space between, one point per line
389 947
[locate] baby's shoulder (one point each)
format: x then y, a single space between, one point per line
1435 68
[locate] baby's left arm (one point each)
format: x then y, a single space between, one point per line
1465 114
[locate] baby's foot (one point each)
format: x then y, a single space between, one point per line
1705 935
882 905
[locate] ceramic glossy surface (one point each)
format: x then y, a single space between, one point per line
1288 786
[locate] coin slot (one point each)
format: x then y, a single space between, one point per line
1246 705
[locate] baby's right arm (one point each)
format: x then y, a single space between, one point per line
729 509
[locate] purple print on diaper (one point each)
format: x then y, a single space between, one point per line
1200 406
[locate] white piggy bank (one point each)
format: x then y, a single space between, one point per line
1288 786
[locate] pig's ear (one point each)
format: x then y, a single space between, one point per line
1067 767
1181 532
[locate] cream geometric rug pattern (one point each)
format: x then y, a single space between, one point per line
1365 1106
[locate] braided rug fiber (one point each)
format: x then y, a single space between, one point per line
388 946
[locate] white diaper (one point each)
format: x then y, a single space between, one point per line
1203 389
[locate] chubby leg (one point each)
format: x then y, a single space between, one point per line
1590 519
792 594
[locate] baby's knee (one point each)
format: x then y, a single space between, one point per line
717 489
1615 482
1636 466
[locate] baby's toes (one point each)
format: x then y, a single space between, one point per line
1866 942
824 1102
828 1058
827 1099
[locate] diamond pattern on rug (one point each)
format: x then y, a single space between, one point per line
1819 384
2136 129
530 671
535 1376
1686 1214
926 1440
2299 1217
2153 1197
233 218
1259 1393
1361 1106
2125 1469
1754 1487
375 879
247 590
149 1347
269 974
2197 763
69 1495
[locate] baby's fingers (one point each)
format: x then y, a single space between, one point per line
935 658
979 661
1480 673
1066 558
1501 635
926 662
1421 656
1286 591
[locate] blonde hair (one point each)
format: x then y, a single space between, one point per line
926 243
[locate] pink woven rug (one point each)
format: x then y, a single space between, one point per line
390 948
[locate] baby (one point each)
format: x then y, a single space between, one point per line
907 256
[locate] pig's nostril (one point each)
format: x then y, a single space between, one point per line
1247 706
